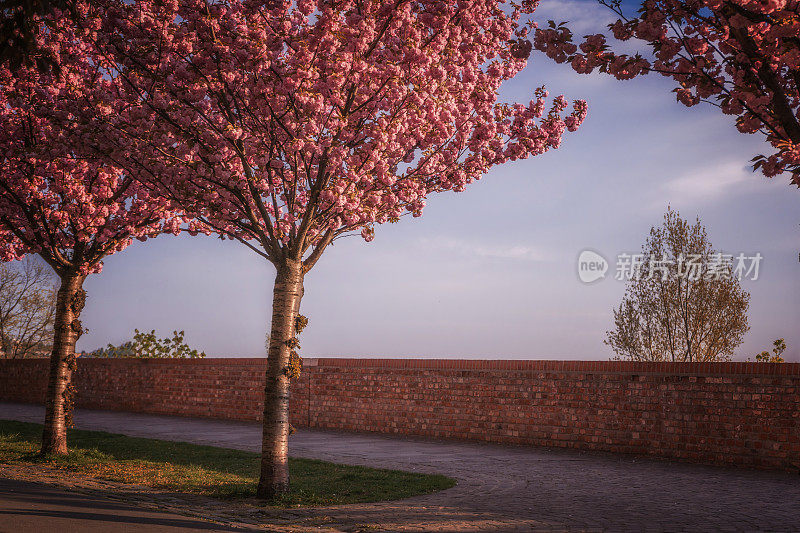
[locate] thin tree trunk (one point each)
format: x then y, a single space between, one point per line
67 329
287 294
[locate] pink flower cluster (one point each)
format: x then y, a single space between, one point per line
60 195
291 123
283 124
742 55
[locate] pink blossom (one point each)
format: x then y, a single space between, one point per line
742 55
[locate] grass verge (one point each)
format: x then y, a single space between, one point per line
216 472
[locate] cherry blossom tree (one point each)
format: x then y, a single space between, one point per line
57 199
742 56
288 124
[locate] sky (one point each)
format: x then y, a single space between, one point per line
492 272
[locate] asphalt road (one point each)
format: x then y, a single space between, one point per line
27 507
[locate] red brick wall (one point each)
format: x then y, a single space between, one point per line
724 413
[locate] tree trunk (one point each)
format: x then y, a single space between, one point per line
287 294
67 329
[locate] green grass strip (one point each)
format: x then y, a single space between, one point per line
217 472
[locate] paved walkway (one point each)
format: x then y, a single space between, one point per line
504 488
35 507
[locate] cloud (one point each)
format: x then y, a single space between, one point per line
493 251
584 17
712 182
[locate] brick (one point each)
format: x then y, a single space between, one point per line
719 413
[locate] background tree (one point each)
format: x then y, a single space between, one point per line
58 198
779 346
27 309
148 345
742 56
286 125
685 304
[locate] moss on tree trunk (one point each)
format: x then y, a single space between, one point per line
58 402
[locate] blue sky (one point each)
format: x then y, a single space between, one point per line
491 272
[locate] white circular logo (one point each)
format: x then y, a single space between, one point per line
591 266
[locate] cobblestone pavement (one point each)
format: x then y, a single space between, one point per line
501 488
